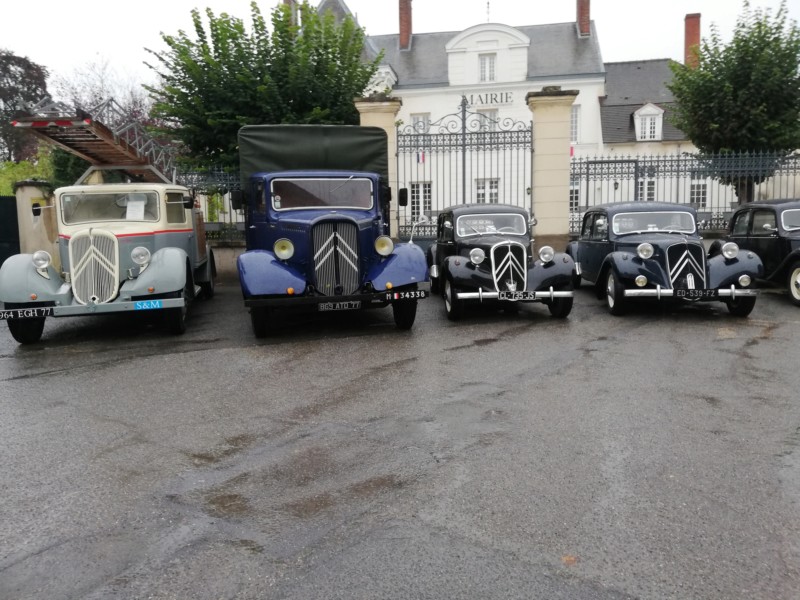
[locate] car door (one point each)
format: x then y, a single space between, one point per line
763 238
740 228
593 244
445 240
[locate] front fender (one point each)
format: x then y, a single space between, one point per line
628 266
19 280
404 266
556 274
724 272
261 273
166 272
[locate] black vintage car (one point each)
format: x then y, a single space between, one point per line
652 250
771 229
483 253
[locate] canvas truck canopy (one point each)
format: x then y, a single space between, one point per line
273 148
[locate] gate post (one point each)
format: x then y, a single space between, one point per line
382 113
552 111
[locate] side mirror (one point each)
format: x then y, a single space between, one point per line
770 228
447 225
402 197
423 219
236 200
36 208
188 202
534 222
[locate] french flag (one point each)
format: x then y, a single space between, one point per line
420 157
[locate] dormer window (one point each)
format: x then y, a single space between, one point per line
487 67
648 122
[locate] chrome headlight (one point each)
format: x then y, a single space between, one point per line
283 249
745 280
41 259
645 250
730 250
384 245
140 255
476 255
546 254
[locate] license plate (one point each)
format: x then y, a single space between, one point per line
514 296
696 293
25 313
349 305
410 295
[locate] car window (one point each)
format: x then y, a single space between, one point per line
586 231
791 219
666 220
86 207
176 213
487 224
764 222
321 192
741 223
600 228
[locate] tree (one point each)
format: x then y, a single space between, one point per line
22 83
743 97
228 77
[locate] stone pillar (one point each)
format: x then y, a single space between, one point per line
383 113
552 111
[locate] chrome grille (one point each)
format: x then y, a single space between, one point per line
94 262
509 266
686 263
336 258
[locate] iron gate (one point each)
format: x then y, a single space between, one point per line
461 158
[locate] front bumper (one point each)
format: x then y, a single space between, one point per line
77 310
538 296
358 301
659 292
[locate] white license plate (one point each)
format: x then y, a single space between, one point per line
349 305
514 296
410 295
25 313
696 293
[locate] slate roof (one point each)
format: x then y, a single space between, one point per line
555 50
629 86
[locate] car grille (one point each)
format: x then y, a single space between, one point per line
686 263
336 258
94 262
509 266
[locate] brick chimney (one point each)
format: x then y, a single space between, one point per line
583 18
691 40
405 24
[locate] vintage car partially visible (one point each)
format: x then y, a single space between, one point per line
122 247
636 250
484 253
771 229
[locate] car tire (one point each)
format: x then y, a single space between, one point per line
404 312
26 331
615 294
576 281
741 307
176 317
208 286
793 283
560 307
260 320
452 305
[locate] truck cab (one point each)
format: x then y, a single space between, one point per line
122 247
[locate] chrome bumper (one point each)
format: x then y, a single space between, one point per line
659 292
541 295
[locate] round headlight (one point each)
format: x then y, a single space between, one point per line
476 255
384 245
744 280
284 249
41 259
140 255
730 250
546 254
644 251
641 280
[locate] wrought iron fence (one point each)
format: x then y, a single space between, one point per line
714 184
462 157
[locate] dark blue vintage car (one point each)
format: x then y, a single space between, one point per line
771 229
483 253
637 250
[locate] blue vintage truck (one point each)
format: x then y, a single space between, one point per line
316 202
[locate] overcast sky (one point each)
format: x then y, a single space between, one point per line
65 36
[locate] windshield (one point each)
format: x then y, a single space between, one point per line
791 220
86 207
292 194
467 225
670 221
